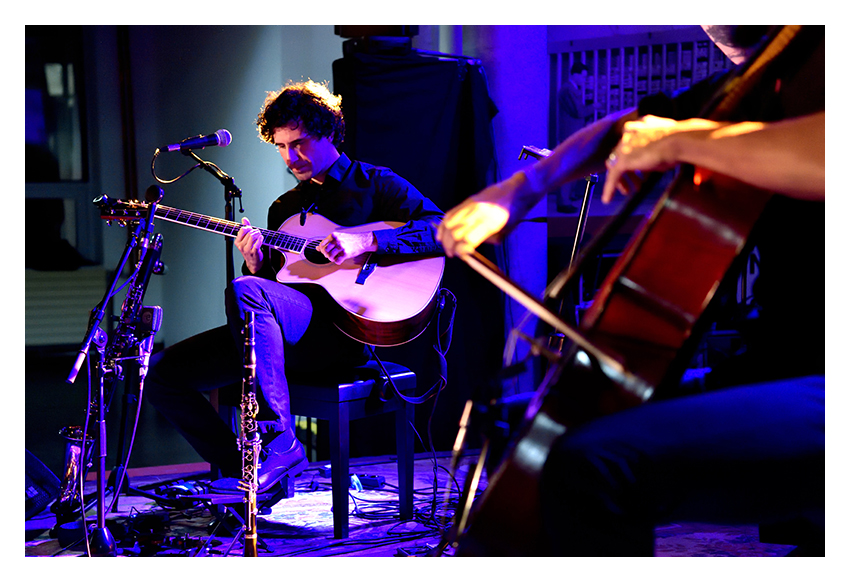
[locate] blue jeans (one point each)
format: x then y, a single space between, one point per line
742 455
291 337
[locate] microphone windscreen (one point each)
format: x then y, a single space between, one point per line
224 137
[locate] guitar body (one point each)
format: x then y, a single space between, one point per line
390 306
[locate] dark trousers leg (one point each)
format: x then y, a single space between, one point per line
284 321
282 318
752 454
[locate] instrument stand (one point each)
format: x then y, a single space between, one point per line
231 507
134 319
224 505
249 443
219 522
102 543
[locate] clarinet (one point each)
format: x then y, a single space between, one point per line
249 443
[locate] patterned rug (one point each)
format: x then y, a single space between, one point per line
303 525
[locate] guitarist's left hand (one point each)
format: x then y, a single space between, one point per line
249 241
340 246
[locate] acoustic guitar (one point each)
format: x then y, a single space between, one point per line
380 300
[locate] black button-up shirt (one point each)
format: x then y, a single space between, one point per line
356 193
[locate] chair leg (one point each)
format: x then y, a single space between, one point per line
404 418
340 479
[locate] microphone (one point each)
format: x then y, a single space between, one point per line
221 138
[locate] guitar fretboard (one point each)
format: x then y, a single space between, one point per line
271 238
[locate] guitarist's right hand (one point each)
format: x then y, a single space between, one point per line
249 241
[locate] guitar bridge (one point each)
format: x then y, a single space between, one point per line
366 270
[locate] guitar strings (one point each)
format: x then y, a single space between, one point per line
277 239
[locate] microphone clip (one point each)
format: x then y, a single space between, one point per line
304 212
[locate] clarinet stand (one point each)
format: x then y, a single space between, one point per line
101 542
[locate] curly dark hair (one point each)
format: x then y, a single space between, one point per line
307 102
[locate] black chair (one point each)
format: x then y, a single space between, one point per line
353 394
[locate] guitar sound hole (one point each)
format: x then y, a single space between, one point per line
314 256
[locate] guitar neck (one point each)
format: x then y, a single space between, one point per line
271 238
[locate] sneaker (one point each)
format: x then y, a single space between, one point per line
280 458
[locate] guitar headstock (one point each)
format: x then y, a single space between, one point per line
123 211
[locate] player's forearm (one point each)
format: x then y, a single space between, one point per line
581 154
787 157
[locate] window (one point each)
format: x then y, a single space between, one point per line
61 231
55 138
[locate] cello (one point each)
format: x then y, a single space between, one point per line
637 337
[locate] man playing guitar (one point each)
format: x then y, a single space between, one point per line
294 325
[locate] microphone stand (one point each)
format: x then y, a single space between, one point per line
231 191
78 447
137 327
145 321
103 544
591 179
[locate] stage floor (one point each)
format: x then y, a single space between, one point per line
303 525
